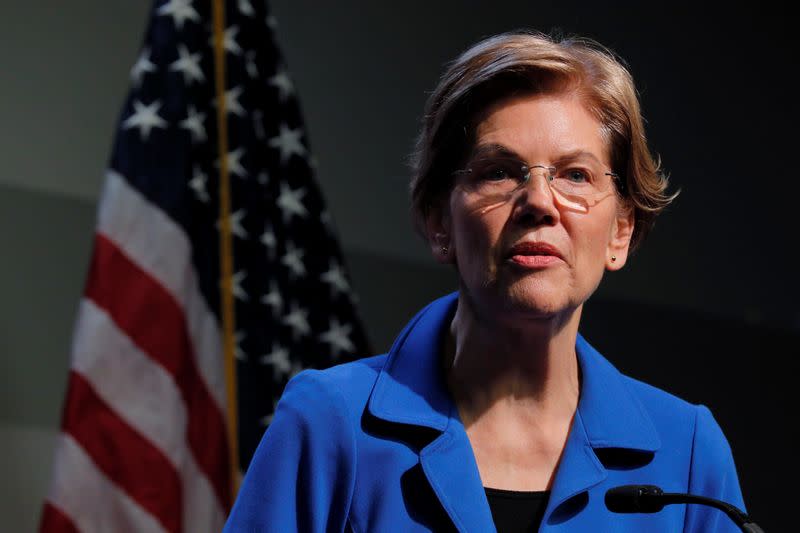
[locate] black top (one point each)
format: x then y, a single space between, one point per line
516 511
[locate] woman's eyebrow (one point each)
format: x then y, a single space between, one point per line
576 155
496 149
493 149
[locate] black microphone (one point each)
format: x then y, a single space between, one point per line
651 499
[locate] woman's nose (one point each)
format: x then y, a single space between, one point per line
535 198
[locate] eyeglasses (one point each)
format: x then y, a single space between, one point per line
575 185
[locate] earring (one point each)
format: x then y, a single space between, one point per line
613 258
444 250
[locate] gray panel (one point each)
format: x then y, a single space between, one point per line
392 291
65 74
26 459
46 242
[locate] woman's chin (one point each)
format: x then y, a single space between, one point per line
537 308
523 298
538 298
534 300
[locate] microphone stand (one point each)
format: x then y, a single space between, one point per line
741 519
651 499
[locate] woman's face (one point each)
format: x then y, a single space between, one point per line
531 253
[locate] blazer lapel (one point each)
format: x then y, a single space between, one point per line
410 390
608 416
449 464
578 471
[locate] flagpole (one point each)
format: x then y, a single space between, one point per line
226 246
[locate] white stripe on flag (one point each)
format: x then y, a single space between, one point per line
129 220
143 394
92 501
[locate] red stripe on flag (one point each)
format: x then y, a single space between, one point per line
127 458
155 322
54 521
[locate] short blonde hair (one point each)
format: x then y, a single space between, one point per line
526 62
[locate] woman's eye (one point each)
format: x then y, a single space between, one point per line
577 175
496 174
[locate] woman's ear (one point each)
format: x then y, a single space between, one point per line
437 230
620 239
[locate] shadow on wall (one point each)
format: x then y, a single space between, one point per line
740 371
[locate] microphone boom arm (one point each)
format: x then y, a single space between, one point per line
651 499
742 519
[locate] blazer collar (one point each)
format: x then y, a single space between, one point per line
608 416
409 388
611 415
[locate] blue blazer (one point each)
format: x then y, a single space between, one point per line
377 445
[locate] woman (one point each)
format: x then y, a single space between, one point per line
490 411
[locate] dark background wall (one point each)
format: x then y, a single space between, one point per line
707 308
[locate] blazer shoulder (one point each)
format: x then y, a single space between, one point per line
684 420
366 368
348 384
356 377
662 406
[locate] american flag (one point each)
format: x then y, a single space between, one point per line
144 443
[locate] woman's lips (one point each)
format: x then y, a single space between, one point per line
535 261
534 254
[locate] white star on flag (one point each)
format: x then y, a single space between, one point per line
289 202
232 104
336 279
188 65
327 221
198 184
297 319
268 240
237 349
273 299
236 224
293 260
145 118
297 367
284 84
229 41
288 142
267 420
194 124
338 336
245 8
180 11
236 285
142 66
250 64
278 359
232 160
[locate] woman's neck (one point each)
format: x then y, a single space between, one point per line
503 367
